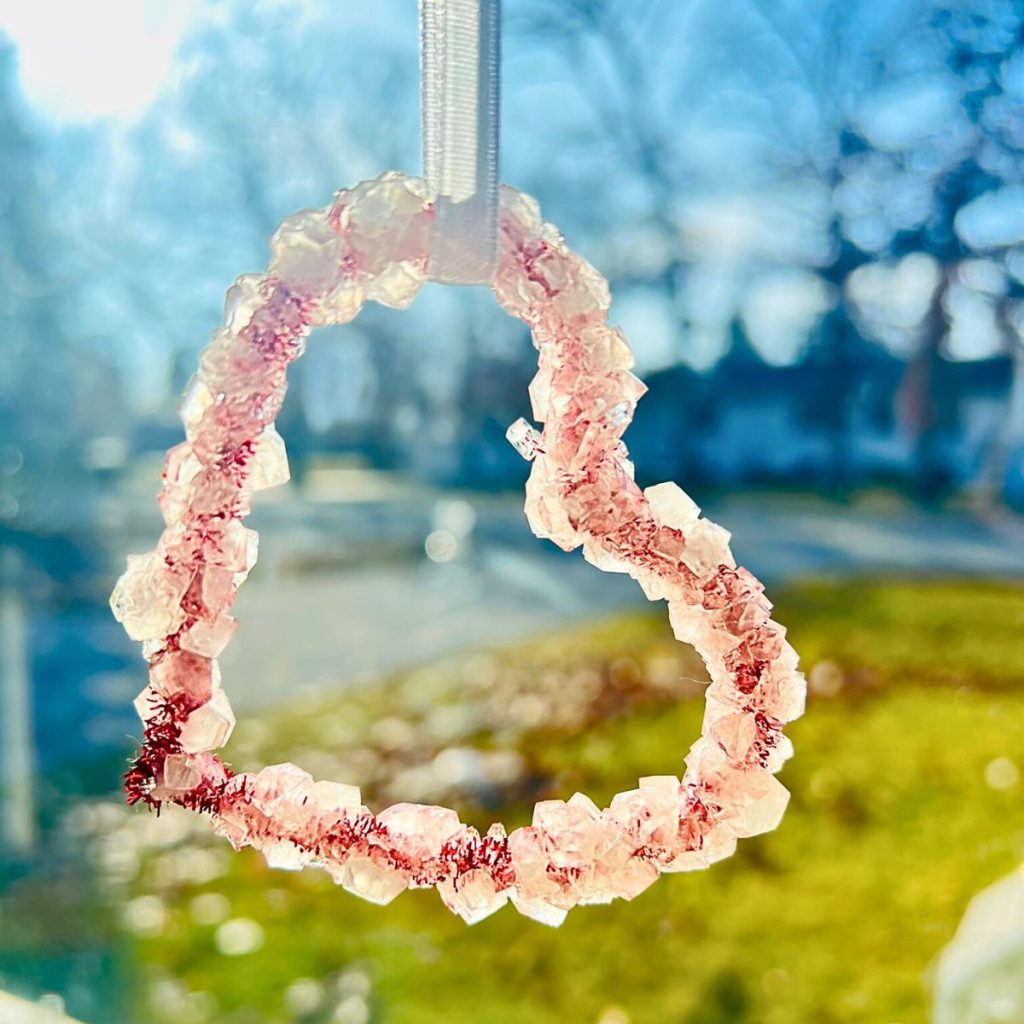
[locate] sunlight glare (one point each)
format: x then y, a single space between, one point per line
80 62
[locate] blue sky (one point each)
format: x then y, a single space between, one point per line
91 63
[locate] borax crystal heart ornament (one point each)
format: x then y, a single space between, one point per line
375 242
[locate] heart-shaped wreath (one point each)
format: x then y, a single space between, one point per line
374 242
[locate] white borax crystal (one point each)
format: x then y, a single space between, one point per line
595 553
365 878
541 395
284 855
605 349
249 551
208 638
181 466
707 547
672 506
328 797
269 464
755 802
307 253
520 208
472 895
194 403
244 297
278 782
209 726
147 598
397 285
525 439
425 823
180 774
149 703
341 304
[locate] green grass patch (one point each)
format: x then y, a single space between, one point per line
834 918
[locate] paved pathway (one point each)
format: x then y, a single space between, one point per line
304 631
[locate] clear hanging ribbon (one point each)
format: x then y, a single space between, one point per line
459 93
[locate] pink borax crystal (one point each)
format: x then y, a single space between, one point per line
373 242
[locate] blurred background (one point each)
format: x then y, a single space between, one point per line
811 213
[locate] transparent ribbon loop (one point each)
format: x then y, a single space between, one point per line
459 59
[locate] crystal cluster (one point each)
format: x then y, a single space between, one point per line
373 242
